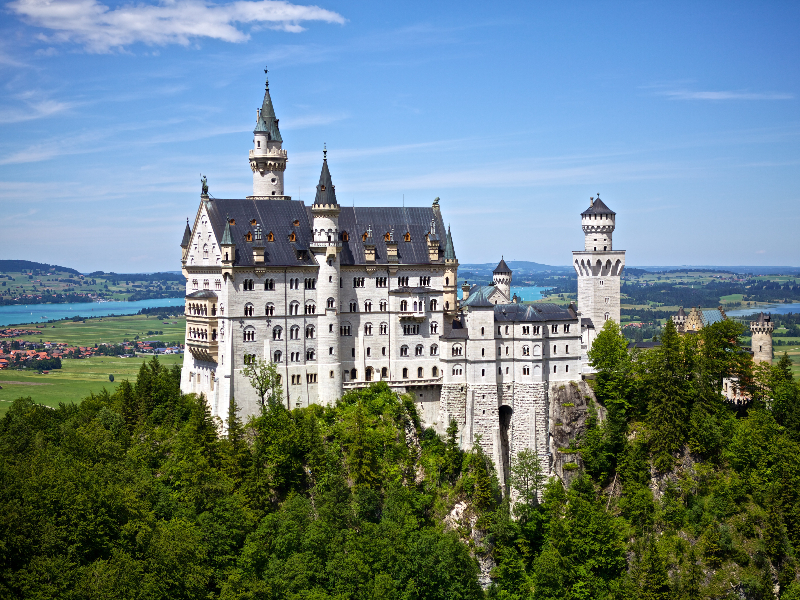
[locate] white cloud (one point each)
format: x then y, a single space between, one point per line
33 110
724 95
101 29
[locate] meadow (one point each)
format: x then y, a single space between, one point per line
109 330
76 379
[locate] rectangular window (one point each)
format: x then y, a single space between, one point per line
526 330
566 328
554 328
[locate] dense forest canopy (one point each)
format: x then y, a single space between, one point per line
136 494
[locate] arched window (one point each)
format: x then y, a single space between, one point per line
537 350
248 310
434 350
309 332
269 309
607 317
353 374
249 335
353 306
435 371
276 356
434 327
368 374
384 372
457 370
294 333
310 354
277 332
331 303
403 350
458 350
526 351
384 329
433 304
269 284
418 351
383 305
205 251
294 308
311 308
403 305
368 306
405 372
419 373
368 329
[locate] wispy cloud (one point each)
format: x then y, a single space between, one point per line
101 29
33 110
723 95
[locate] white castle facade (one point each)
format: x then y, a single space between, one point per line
341 297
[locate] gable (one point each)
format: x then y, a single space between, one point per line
204 246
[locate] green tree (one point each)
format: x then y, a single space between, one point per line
666 383
264 378
527 476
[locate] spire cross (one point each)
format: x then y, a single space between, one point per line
266 70
325 151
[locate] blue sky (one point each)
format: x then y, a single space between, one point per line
682 115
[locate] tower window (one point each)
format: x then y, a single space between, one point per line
258 144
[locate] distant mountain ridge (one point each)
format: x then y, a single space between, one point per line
18 266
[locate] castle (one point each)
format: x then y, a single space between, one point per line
340 297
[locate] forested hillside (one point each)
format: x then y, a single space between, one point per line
136 494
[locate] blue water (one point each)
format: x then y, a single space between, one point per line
527 293
39 313
776 309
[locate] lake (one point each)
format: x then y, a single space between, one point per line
776 309
526 293
40 313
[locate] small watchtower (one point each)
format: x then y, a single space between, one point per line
501 276
761 329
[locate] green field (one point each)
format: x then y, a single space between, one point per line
75 380
109 329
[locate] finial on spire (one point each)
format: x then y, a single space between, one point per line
266 70
325 151
591 201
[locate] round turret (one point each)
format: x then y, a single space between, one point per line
761 330
598 222
501 277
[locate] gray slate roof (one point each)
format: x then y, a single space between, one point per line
201 294
598 207
533 312
415 220
278 216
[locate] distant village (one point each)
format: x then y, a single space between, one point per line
18 353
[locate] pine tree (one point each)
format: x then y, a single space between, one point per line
666 386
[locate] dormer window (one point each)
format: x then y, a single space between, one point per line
232 221
387 237
296 223
322 188
407 236
270 237
253 222
345 237
248 237
292 237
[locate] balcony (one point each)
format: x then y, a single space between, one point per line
206 350
412 315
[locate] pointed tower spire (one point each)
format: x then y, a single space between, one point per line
326 192
187 236
449 251
226 235
267 158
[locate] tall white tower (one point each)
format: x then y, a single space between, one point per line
762 338
326 247
599 266
267 158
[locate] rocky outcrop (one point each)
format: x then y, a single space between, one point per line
568 421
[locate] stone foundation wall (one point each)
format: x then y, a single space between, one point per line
452 405
529 421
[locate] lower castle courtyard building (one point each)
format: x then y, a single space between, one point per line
341 297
